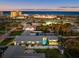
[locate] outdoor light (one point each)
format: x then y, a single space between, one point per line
48 23
22 41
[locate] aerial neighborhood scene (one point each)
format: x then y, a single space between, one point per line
39 29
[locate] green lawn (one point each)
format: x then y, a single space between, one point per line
6 41
16 33
2 31
50 53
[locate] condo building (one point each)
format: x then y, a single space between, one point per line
44 16
1 13
15 13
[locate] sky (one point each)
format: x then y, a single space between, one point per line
38 4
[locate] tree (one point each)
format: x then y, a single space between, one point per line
72 47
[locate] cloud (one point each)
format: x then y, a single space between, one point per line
70 6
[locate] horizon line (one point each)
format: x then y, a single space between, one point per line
42 9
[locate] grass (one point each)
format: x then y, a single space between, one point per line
50 53
6 41
2 31
72 53
15 33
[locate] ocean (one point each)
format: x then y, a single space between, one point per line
6 13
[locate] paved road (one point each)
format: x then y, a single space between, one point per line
18 52
70 37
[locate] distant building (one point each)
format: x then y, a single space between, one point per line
44 16
28 27
1 13
15 13
20 17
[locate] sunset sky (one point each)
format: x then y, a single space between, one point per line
39 4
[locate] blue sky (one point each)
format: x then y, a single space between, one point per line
30 4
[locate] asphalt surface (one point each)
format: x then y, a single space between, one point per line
18 52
